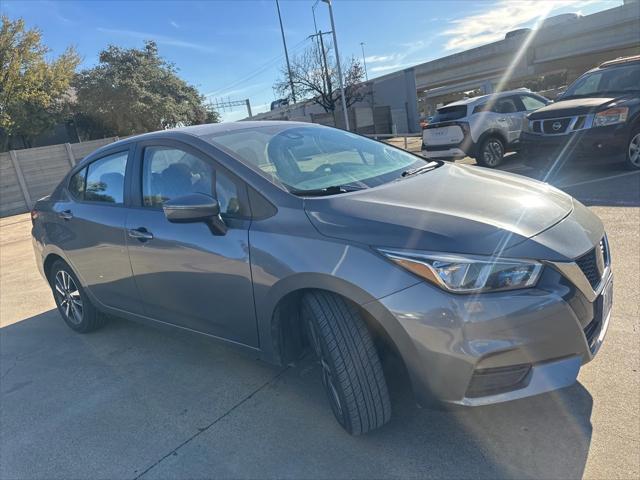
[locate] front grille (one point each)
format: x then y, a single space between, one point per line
556 125
592 331
589 266
594 262
560 126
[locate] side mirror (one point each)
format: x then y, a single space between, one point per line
196 207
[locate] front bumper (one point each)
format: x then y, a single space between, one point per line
592 143
446 340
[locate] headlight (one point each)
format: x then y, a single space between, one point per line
526 124
611 116
468 274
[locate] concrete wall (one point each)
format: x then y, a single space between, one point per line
29 174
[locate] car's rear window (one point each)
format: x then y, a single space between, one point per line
447 114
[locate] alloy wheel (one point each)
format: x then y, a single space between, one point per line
634 150
492 154
68 297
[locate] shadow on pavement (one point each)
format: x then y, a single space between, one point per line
131 399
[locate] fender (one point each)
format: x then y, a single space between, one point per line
270 324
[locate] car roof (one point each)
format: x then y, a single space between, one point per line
199 131
483 98
619 61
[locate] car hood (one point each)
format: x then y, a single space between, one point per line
566 108
452 208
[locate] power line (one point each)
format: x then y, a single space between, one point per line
258 71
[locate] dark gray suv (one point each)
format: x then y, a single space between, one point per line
280 236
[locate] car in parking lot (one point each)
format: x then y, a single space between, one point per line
277 237
484 127
597 117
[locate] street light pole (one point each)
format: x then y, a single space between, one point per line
364 62
335 44
286 54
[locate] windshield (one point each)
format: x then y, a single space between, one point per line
616 80
312 158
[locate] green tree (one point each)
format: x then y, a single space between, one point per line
33 91
134 91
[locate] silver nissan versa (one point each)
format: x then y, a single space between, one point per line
279 237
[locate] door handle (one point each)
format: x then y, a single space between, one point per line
66 215
503 119
140 233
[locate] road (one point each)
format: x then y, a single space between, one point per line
131 401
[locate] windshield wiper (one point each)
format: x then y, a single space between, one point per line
416 171
321 192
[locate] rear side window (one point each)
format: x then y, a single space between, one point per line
448 114
105 179
77 183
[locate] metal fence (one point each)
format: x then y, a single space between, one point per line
29 174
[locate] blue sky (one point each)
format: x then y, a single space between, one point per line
234 48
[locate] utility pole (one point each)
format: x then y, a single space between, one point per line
364 62
335 44
326 80
286 54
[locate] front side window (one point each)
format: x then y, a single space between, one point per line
505 105
304 158
105 179
168 173
531 103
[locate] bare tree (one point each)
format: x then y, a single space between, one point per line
314 76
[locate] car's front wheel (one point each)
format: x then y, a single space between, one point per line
73 304
633 149
491 152
351 371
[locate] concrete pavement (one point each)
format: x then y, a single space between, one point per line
131 401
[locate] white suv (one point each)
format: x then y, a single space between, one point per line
481 127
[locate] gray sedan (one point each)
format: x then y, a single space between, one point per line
283 237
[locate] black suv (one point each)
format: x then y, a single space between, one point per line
598 116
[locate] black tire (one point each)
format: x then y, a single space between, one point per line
351 369
76 309
491 152
633 149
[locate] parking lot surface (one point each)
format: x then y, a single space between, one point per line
131 401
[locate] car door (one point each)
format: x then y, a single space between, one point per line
90 229
510 117
186 275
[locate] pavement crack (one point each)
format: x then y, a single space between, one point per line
204 429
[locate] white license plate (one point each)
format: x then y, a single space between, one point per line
443 135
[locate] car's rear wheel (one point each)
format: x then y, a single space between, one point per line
73 304
351 371
633 149
491 152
